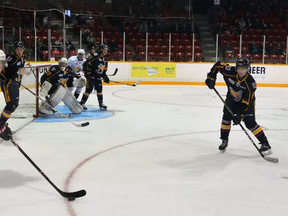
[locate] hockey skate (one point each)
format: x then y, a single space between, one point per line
223 145
83 105
102 106
265 148
5 132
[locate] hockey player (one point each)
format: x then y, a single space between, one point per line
54 90
11 78
240 99
76 64
95 69
93 50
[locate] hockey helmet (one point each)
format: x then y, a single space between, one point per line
19 44
2 55
81 52
244 63
63 61
103 46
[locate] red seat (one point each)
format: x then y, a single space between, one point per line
161 56
180 49
199 57
175 36
184 36
140 48
282 59
187 42
142 56
157 35
164 48
55 33
177 42
151 56
180 57
256 58
74 52
155 48
142 41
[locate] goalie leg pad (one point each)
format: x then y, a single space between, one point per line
57 96
70 101
45 109
45 87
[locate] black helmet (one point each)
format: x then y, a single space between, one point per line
103 46
243 62
19 44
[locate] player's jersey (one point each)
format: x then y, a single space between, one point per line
55 76
240 90
15 68
76 65
96 66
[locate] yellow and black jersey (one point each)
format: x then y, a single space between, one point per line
96 66
14 70
240 90
56 76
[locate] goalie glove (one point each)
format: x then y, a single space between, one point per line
45 87
80 82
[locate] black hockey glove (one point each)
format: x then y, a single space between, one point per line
106 79
237 118
210 82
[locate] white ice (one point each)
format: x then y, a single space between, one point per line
157 155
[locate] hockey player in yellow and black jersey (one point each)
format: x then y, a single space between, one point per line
53 88
10 79
57 75
240 99
95 69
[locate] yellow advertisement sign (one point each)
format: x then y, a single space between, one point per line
151 70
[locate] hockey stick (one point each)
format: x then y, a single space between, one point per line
115 72
55 110
69 195
273 160
121 83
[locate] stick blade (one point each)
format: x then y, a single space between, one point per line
272 160
138 81
76 194
84 124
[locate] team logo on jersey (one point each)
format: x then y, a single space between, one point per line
227 67
237 95
19 63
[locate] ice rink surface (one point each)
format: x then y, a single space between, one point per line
157 155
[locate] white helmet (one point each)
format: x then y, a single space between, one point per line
2 55
63 63
81 51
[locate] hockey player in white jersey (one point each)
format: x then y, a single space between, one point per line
76 64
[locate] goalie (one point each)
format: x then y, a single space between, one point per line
54 90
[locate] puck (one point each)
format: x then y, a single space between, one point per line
71 198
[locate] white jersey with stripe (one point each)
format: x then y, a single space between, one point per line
76 65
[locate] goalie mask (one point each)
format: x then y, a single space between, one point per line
63 63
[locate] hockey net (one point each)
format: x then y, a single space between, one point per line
29 103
